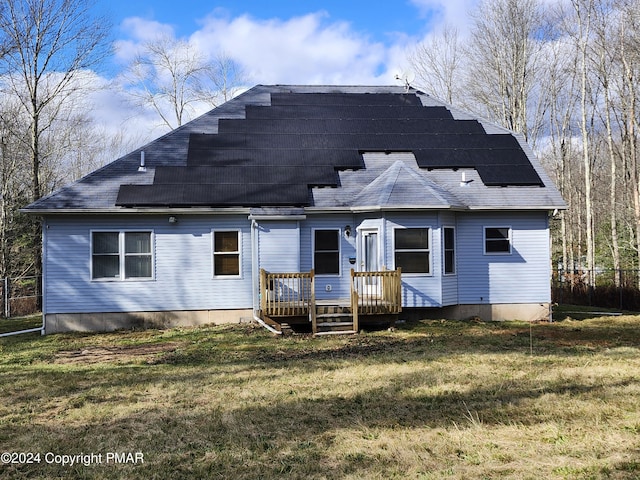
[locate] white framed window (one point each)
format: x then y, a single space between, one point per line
121 255
227 259
449 250
412 249
497 240
326 251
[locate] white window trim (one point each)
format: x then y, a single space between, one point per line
213 254
444 252
122 255
429 250
313 251
484 240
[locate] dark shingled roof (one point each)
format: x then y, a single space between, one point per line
312 148
277 152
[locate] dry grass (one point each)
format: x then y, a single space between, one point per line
434 399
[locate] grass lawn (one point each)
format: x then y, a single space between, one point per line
20 323
430 400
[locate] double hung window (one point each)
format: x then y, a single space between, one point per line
326 252
226 253
449 247
121 255
497 240
412 250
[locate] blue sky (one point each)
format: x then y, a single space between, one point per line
376 19
285 41
275 42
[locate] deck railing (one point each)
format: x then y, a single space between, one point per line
376 292
287 294
293 294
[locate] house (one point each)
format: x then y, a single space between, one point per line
304 205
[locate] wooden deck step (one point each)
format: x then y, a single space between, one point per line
335 324
333 315
332 321
337 332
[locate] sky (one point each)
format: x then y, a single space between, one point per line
285 41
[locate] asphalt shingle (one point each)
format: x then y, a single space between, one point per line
274 145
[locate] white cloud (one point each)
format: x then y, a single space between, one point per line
446 12
139 31
308 49
304 49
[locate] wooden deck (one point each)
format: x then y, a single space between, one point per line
290 297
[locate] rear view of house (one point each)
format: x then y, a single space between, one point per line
304 205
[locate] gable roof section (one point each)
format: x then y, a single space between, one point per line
276 145
399 183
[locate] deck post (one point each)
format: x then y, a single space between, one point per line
398 290
354 303
312 302
263 290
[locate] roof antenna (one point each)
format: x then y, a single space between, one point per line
406 77
142 167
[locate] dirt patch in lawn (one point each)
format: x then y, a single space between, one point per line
119 354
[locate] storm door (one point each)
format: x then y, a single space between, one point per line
370 259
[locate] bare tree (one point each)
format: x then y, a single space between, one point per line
227 77
606 68
504 51
560 72
14 184
167 75
175 79
438 64
629 51
581 31
52 42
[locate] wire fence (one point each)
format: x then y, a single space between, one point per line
20 296
609 288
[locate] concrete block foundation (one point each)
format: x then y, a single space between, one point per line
528 312
109 321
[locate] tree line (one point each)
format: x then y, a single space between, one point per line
50 51
566 75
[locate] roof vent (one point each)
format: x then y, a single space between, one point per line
142 167
463 181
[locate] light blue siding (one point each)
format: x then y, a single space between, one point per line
520 277
329 286
418 290
183 267
449 281
279 246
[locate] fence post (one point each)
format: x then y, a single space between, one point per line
620 286
7 308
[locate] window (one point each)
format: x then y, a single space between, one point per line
449 243
326 252
226 253
411 250
497 240
121 255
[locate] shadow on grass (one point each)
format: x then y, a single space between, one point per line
287 434
293 437
250 347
